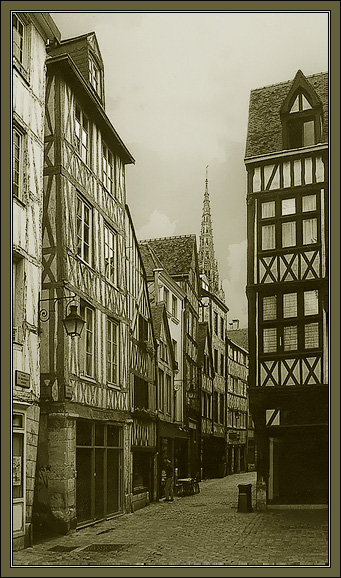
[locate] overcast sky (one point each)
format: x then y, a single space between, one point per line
177 92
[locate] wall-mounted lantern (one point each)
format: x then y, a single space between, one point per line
73 322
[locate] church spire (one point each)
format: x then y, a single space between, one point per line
207 263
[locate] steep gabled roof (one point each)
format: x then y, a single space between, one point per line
175 253
239 337
159 317
264 133
149 258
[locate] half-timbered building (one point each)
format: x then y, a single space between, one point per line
85 430
179 257
142 377
206 377
164 290
237 399
213 310
30 34
287 212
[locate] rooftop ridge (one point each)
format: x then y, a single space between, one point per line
189 236
283 82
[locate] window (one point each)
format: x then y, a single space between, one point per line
222 364
17 297
166 297
289 234
84 230
269 307
94 75
301 123
289 305
222 328
309 231
311 305
268 237
215 406
215 322
269 340
175 349
216 360
161 390
143 328
88 340
110 254
107 169
18 141
81 134
222 409
288 206
311 336
18 455
308 203
112 351
140 393
168 393
18 39
174 306
268 210
290 338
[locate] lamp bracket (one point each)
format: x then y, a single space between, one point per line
44 313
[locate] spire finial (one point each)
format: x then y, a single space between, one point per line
206 172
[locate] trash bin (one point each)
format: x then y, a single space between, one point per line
244 498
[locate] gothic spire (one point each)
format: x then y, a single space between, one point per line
207 262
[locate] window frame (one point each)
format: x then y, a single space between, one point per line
300 320
80 240
114 344
110 249
78 139
94 67
108 179
85 308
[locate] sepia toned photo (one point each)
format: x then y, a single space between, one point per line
170 230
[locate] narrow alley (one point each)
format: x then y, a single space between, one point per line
205 529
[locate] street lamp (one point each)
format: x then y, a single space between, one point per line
73 323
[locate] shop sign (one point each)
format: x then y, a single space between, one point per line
22 379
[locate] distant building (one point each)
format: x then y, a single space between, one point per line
214 312
30 34
178 256
287 286
237 399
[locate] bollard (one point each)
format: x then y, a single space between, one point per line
244 498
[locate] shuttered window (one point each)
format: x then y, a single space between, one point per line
290 338
311 336
269 339
269 307
289 305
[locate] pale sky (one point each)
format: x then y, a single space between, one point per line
177 91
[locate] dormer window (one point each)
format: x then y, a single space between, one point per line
94 75
301 115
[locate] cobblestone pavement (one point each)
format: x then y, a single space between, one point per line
201 530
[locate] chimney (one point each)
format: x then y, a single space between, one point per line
235 324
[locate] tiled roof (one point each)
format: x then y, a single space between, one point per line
264 133
240 337
150 260
175 253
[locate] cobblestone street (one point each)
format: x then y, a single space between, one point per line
204 529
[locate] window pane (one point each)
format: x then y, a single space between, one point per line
308 133
305 104
269 307
309 231
295 106
309 203
311 335
270 340
288 206
290 338
289 234
290 305
17 465
268 209
311 306
268 237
